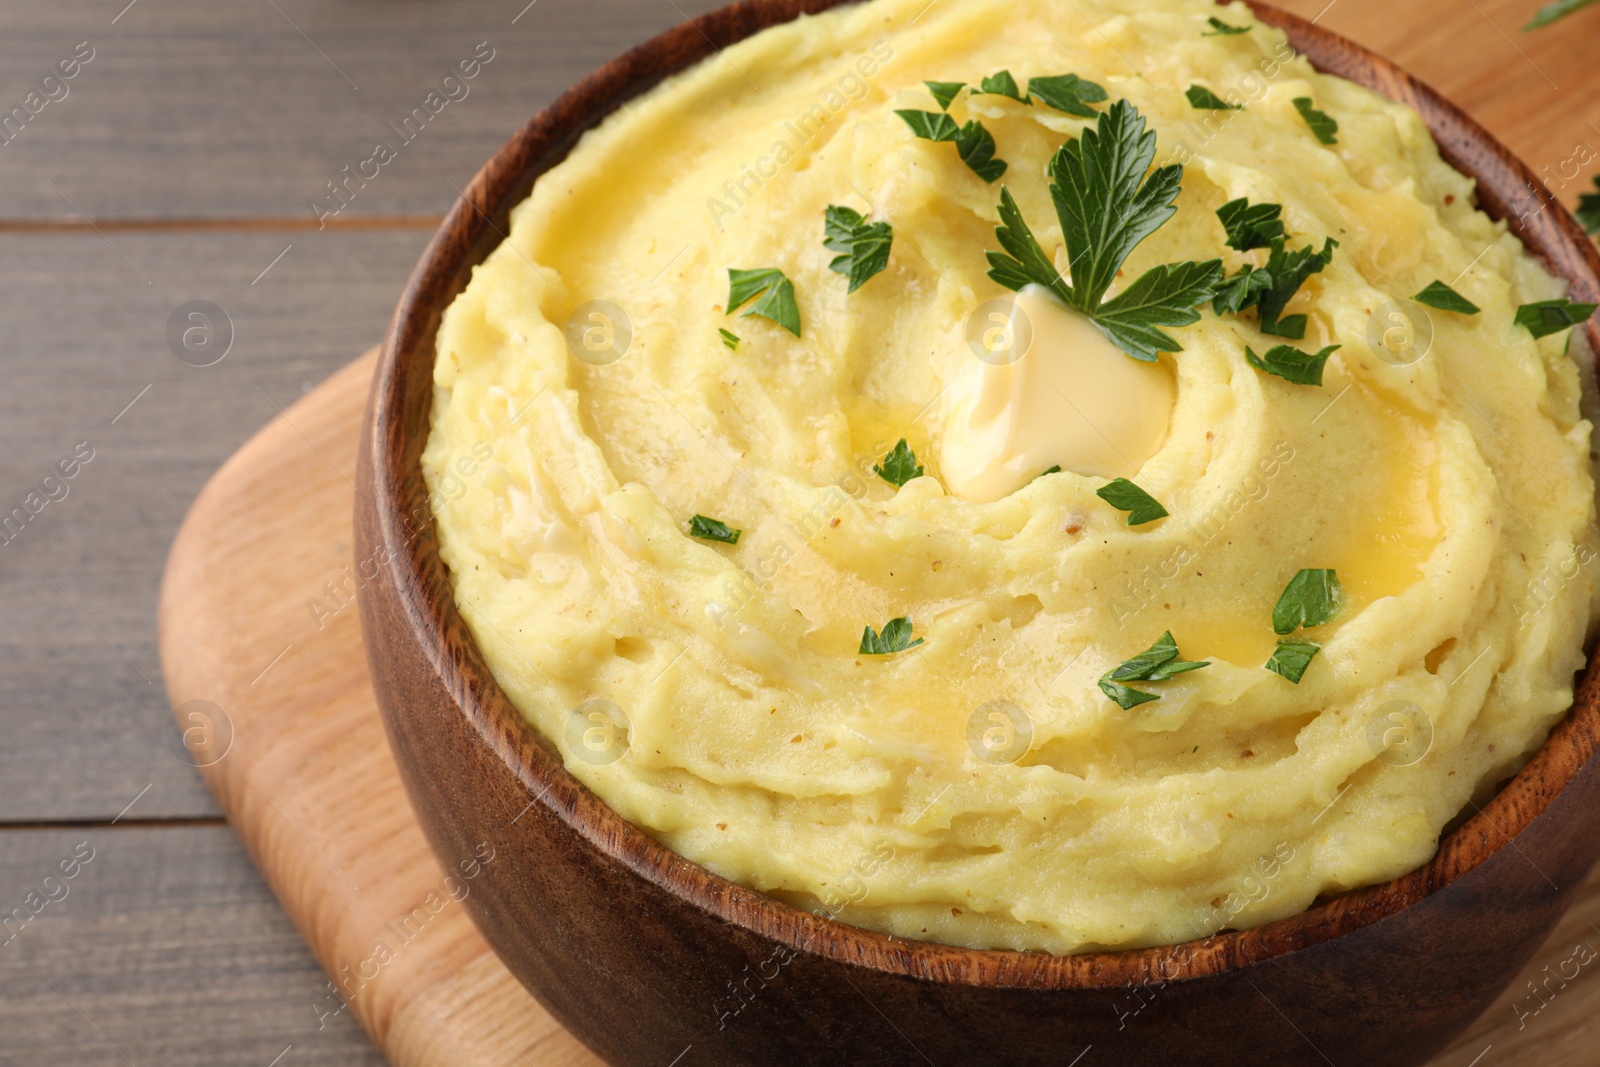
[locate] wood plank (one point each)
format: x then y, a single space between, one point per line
199 109
172 949
83 722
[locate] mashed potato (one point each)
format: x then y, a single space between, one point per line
979 788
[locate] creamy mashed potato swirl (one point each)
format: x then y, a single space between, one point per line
712 693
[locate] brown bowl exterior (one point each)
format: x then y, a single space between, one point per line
646 956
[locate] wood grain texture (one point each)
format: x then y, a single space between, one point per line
164 934
247 109
310 737
1450 934
83 722
307 780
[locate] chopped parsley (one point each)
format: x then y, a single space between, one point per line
1067 93
1205 100
945 92
1322 124
713 530
1001 84
1558 9
1250 225
1270 288
1441 296
1048 470
899 466
1311 598
1155 664
777 296
896 637
1546 317
863 246
1107 205
730 340
1291 364
974 144
1291 658
1125 496
1222 29
1588 210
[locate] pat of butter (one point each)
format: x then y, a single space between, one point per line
1049 390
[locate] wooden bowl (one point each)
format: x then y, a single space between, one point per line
646 956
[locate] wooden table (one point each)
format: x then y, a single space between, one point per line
182 163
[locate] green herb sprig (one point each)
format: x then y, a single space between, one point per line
899 465
1125 496
1322 124
1204 99
1291 364
1107 205
776 292
1222 29
1545 317
1439 295
896 637
713 530
863 246
1155 664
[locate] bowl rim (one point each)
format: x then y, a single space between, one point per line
402 393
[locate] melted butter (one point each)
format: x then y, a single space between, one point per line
1384 550
1242 636
1072 399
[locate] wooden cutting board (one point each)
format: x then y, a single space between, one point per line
262 652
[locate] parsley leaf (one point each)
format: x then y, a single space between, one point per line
1125 496
974 144
1588 211
730 340
1441 296
1559 9
1155 664
1241 290
713 530
899 466
1289 271
1204 99
1107 204
863 245
777 300
1056 469
1321 123
1311 598
1291 658
1546 317
896 637
1250 225
1291 364
1162 296
1001 84
1222 29
931 125
945 92
1068 93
